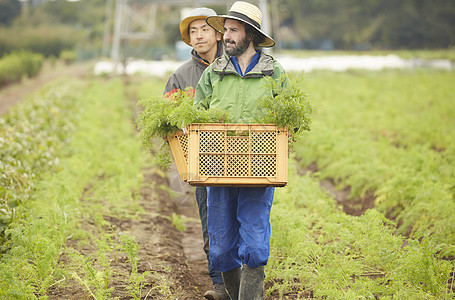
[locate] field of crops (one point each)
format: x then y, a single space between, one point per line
70 157
390 135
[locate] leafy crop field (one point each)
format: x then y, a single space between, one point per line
73 178
389 134
84 136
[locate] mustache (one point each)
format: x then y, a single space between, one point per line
229 41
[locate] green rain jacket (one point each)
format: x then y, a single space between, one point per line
221 86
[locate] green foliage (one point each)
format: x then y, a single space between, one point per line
92 279
131 248
68 56
178 222
47 40
163 116
9 9
135 280
16 65
31 135
359 24
86 14
318 250
289 106
104 155
350 24
59 25
389 133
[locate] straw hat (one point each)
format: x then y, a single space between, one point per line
244 12
196 14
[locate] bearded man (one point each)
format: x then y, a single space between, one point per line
238 218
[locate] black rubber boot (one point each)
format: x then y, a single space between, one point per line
218 293
232 282
252 283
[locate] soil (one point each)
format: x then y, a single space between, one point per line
354 207
175 260
11 94
175 271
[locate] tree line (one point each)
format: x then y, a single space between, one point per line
345 24
385 24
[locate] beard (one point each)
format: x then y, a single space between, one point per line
237 48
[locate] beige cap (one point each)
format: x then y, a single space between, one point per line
196 14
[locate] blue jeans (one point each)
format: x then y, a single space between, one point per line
239 226
201 198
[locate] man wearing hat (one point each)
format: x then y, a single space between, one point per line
238 217
207 46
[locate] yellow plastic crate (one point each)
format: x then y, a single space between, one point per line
179 149
237 155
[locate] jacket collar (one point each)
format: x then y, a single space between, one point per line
204 63
224 66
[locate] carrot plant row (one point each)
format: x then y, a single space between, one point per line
390 133
318 251
31 135
96 168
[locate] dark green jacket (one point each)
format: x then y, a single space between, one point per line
221 86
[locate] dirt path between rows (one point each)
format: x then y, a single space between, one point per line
12 94
173 260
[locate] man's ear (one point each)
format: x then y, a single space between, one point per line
219 36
